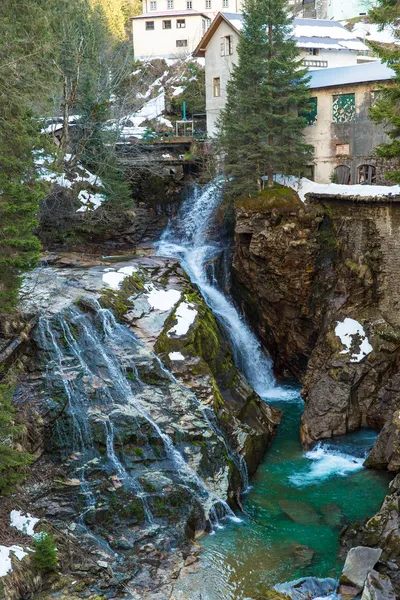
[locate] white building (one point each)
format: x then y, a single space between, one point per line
322 44
336 10
168 34
169 28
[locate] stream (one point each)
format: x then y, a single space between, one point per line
298 500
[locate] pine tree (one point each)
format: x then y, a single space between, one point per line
12 461
387 109
260 130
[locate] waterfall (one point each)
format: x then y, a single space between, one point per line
187 238
90 358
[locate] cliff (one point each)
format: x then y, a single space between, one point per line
318 281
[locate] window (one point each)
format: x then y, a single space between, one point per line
311 111
342 175
170 4
227 45
153 5
312 51
343 149
344 108
225 3
149 25
180 23
366 174
189 5
321 64
208 3
166 25
181 43
216 87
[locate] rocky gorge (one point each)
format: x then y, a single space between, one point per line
149 401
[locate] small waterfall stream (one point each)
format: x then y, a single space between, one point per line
91 365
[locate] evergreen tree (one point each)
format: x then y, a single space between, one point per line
260 130
387 109
13 462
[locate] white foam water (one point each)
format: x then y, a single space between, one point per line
326 462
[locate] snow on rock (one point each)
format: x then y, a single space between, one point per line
90 201
348 329
5 558
176 356
185 315
25 523
162 299
115 278
303 186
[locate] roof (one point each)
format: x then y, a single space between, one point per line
171 13
309 33
373 71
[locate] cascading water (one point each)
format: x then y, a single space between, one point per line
91 358
186 238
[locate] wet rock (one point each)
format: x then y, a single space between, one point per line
359 562
302 555
299 512
307 587
332 514
378 587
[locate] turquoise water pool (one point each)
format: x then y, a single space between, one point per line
297 504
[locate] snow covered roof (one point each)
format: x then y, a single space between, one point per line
309 33
171 13
373 71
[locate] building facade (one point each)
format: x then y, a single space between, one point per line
322 45
340 130
168 34
337 10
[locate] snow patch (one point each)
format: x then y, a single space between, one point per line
346 330
90 201
24 523
185 315
5 558
303 186
115 278
176 356
162 299
178 90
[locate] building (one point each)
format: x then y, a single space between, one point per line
169 28
168 34
336 10
340 130
322 44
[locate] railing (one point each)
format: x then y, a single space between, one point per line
322 64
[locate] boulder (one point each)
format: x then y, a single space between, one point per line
378 587
299 512
359 562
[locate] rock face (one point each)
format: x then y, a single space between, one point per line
319 283
359 563
381 533
150 428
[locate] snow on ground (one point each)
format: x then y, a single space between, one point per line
176 356
303 186
346 330
24 523
370 32
90 201
185 315
162 299
178 90
115 278
5 558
